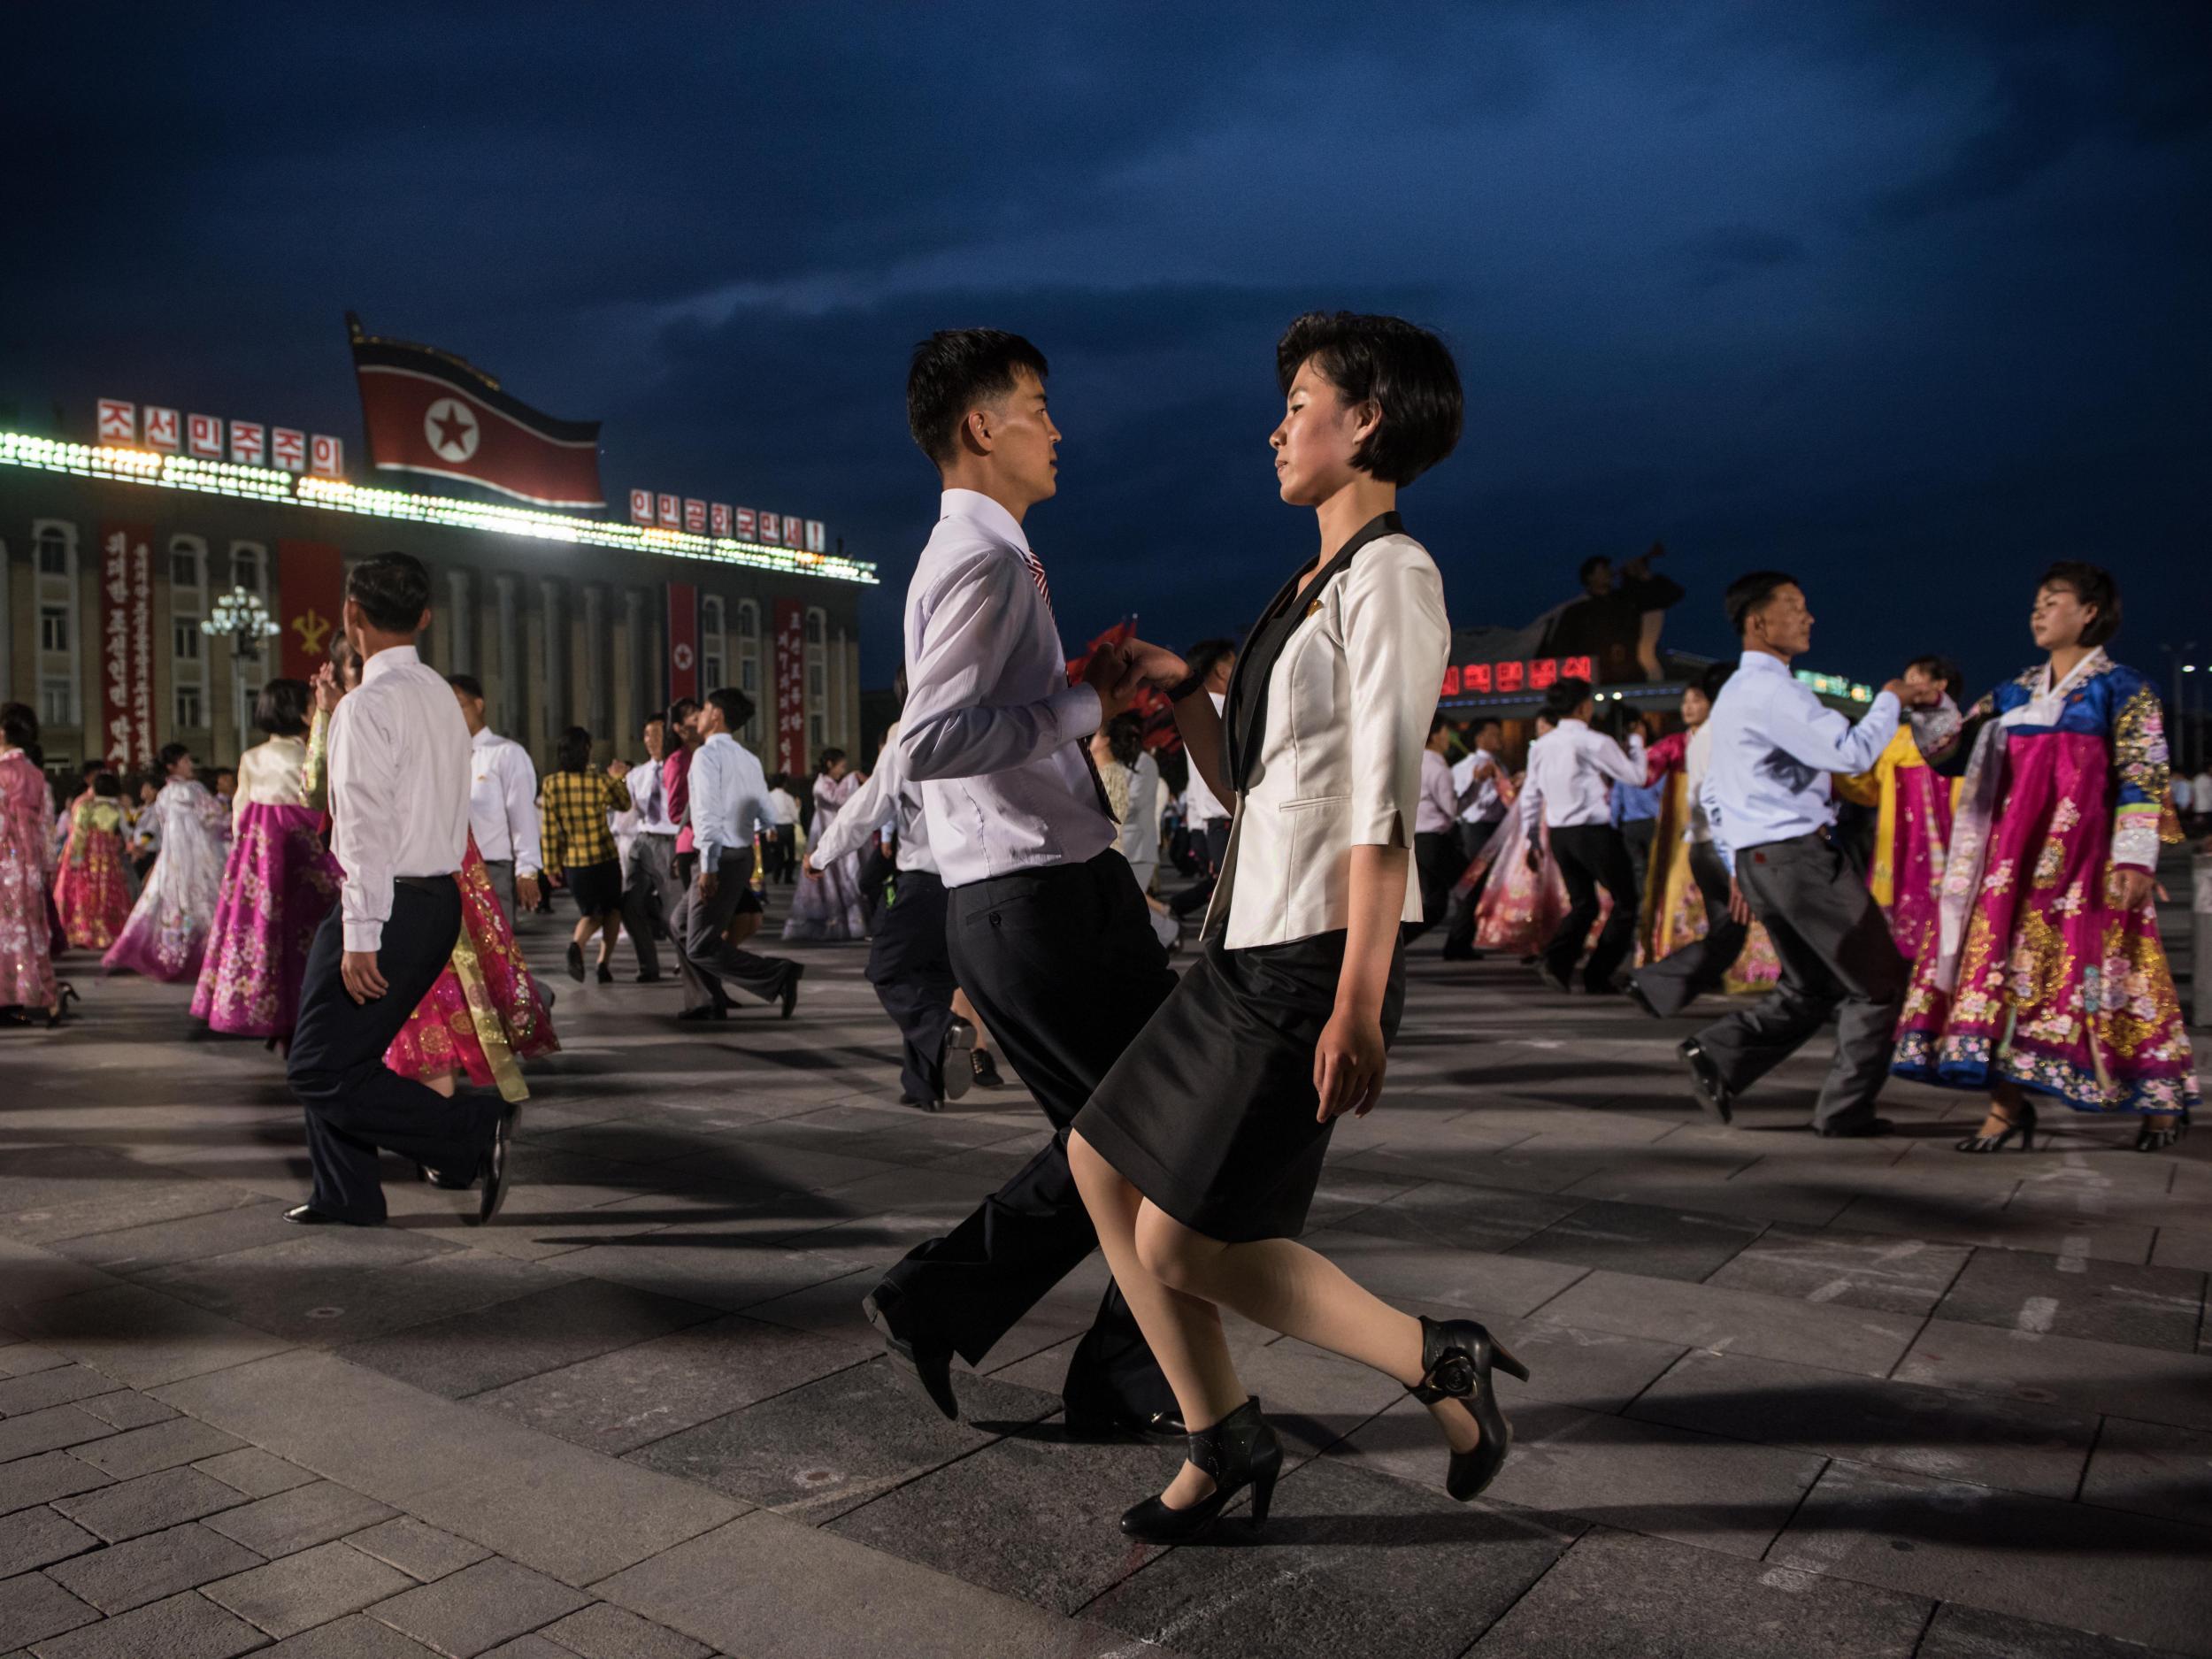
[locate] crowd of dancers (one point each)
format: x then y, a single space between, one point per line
353 902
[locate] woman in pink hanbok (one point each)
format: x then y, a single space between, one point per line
831 907
1912 802
166 937
92 887
279 884
27 817
2046 975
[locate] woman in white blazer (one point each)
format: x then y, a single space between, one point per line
1199 1153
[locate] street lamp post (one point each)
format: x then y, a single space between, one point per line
240 615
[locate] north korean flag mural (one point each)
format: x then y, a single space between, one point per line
429 411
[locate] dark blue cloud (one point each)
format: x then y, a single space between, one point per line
1906 297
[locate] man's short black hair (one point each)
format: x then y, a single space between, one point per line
92 768
953 370
20 724
2092 584
1438 722
393 590
1596 561
1207 656
1716 676
467 685
572 750
106 784
736 707
653 717
169 755
1748 596
1399 367
1567 695
282 709
1488 722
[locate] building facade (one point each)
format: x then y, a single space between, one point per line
112 557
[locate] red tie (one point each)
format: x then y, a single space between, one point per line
1037 574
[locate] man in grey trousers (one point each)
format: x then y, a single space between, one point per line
651 894
1769 802
729 797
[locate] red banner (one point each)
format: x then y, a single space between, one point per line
126 643
683 641
310 600
791 687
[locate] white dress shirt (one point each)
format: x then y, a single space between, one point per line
648 800
783 806
1201 804
1571 772
1487 805
1139 840
1437 808
1774 744
399 794
729 797
504 802
890 796
992 732
1697 759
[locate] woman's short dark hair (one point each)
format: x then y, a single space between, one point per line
1401 368
1748 596
683 708
106 784
1941 669
1124 738
953 370
572 750
19 726
282 709
169 756
829 758
467 685
736 707
393 590
2092 584
1566 695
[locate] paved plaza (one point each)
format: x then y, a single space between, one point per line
1790 1397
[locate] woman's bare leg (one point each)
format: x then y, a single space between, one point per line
443 1083
2007 1106
1282 1284
964 1008
1183 1332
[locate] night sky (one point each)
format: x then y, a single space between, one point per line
1904 298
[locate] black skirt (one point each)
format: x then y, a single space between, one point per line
1211 1113
596 888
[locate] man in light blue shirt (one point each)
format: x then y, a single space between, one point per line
728 799
1768 800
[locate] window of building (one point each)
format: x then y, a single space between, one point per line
53 627
813 627
816 682
246 563
184 639
58 702
190 715
711 654
54 551
184 564
817 733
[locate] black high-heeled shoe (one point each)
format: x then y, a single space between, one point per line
2020 1121
2150 1139
1456 1357
1238 1451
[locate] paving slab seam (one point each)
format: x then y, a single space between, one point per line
1927 1625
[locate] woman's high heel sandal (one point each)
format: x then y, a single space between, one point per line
1238 1451
1456 1357
2019 1121
2150 1139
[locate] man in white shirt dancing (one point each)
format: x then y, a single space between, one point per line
1771 807
1571 772
503 804
651 894
1048 934
399 809
728 801
1475 779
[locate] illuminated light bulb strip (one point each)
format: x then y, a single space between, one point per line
258 483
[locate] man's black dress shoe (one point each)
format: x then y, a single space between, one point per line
1864 1128
649 979
495 1193
705 1011
791 988
444 1181
922 1105
576 961
1712 1089
954 1062
1635 992
928 1364
308 1216
986 1069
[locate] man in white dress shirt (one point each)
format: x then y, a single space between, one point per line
1568 790
1437 860
503 804
1475 778
399 809
651 892
1048 934
1769 805
728 802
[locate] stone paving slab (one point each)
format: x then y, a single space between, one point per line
301 1518
52 1429
1958 1631
36 1537
141 1337
356 1637
163 1446
2076 1296
423 1553
2085 1377
32 1607
478 1608
307 1589
2144 1581
1617 1595
141 1569
601 1631
44 1478
577 1515
2153 1468
1838 1269
254 1472
1742 1321
187 1626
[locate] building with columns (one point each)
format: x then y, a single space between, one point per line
111 558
